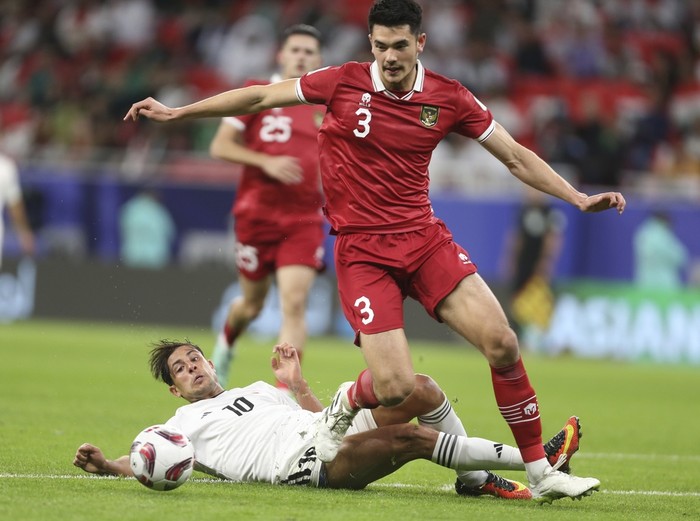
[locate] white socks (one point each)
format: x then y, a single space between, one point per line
456 451
460 453
535 470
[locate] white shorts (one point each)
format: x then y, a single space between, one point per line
303 467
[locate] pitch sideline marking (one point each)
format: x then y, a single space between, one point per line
373 485
622 455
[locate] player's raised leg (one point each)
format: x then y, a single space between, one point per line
474 312
381 383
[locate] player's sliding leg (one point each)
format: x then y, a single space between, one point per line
431 407
476 482
242 311
368 456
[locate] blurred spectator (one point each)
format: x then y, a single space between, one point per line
530 57
242 49
69 70
600 150
147 231
131 23
660 257
81 26
11 195
482 70
651 129
621 59
582 53
677 159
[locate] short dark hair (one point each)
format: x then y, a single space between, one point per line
304 29
392 13
160 353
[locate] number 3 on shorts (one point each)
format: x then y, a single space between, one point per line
365 309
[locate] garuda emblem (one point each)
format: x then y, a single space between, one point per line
429 115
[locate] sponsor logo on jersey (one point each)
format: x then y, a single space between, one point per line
464 258
429 115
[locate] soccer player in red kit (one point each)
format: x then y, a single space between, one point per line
382 123
277 211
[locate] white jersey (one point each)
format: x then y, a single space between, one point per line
10 191
253 433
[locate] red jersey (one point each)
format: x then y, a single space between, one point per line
375 146
289 131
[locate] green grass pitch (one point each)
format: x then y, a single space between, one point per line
64 383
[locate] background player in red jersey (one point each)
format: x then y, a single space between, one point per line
277 212
382 123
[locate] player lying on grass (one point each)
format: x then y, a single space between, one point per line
259 434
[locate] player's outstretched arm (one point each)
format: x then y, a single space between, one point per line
246 100
287 369
532 170
92 460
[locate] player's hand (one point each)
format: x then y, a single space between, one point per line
604 201
90 459
285 169
286 366
151 109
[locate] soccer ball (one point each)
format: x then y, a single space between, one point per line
161 457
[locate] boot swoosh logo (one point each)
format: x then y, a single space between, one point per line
569 435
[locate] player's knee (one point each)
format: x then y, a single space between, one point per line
502 347
294 306
393 392
252 308
428 392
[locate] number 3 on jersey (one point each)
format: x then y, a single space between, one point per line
365 309
363 122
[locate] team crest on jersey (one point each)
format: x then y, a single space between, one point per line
366 100
429 115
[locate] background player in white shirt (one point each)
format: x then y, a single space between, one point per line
259 434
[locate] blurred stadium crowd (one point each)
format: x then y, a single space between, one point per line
606 91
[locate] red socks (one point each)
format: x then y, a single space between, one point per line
517 402
230 334
361 393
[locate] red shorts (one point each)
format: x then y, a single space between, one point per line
263 248
376 272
